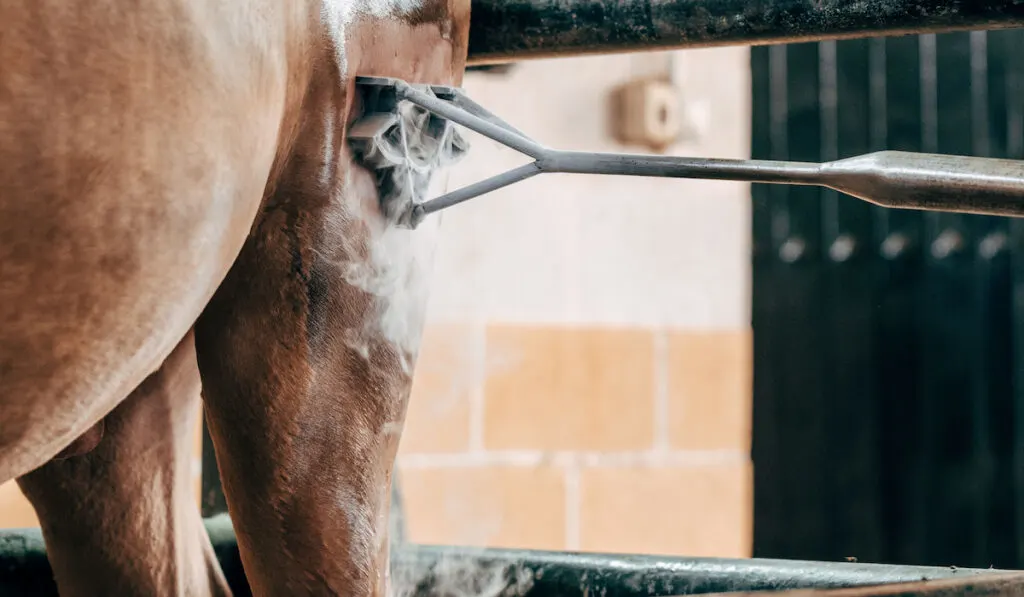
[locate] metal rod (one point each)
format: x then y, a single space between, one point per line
466 103
470 121
475 190
888 178
623 164
511 30
580 162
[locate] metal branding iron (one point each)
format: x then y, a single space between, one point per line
893 179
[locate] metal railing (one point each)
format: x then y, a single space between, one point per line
441 570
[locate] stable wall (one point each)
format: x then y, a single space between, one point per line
585 377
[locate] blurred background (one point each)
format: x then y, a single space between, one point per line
708 369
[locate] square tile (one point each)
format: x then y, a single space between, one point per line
487 506
15 510
710 390
554 388
445 378
700 511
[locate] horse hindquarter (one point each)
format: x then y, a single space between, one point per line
135 145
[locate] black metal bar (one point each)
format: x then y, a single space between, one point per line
802 277
928 329
24 570
510 30
897 342
989 294
1013 94
766 439
788 377
760 148
848 270
1017 422
950 433
1000 366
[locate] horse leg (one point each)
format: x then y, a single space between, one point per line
306 350
123 519
305 399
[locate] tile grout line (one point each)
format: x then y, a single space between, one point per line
572 508
569 459
661 402
478 379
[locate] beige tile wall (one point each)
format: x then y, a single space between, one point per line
15 511
607 439
585 376
569 389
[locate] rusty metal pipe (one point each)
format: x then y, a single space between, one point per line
511 30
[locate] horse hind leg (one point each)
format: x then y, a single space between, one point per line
122 519
306 354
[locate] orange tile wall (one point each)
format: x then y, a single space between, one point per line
582 438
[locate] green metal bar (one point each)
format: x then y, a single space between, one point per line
510 30
427 570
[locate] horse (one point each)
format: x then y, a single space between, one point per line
183 229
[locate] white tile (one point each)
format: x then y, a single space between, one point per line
602 250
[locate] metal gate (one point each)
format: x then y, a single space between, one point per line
888 345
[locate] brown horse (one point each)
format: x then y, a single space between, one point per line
179 208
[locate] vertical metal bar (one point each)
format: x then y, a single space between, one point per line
1017 244
849 274
855 130
929 93
980 141
783 290
994 258
878 112
778 101
952 316
1014 131
765 449
799 285
1014 43
790 521
803 126
830 354
762 245
898 346
890 469
987 232
828 100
